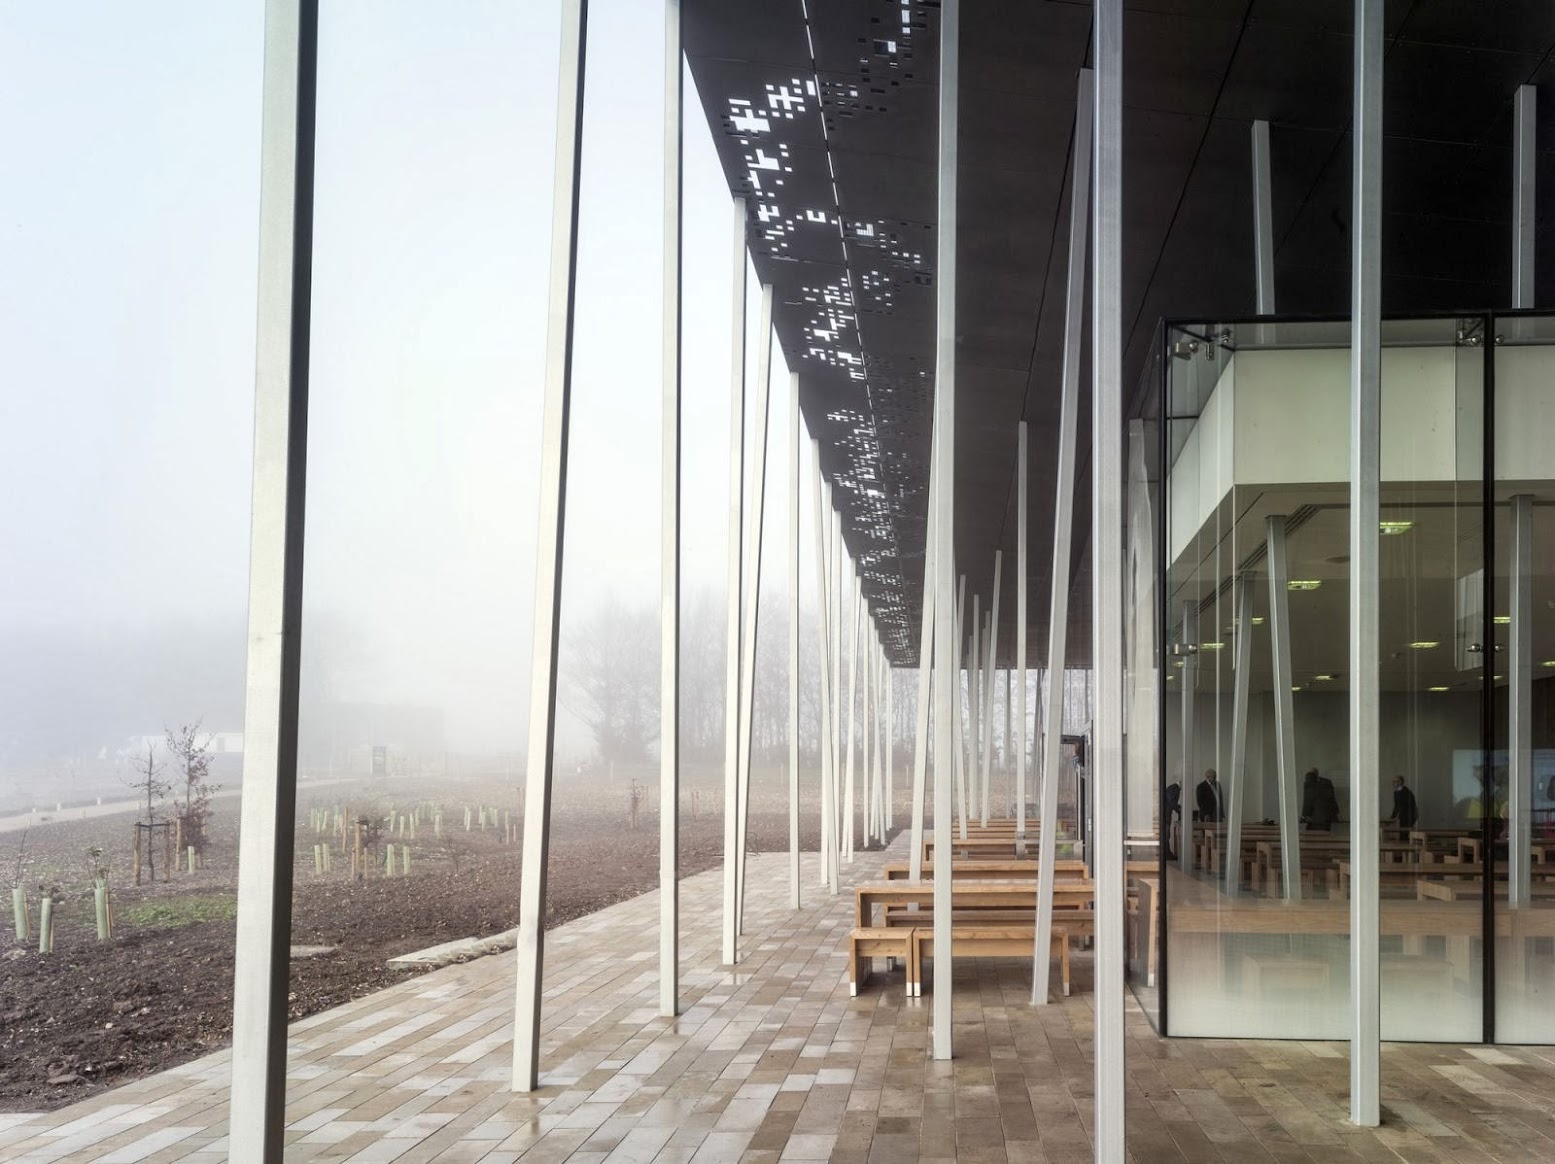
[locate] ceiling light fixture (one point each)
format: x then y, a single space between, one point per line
1303 584
1322 678
1211 646
1391 529
1436 688
1424 645
1502 620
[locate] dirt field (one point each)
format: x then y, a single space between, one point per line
93 1014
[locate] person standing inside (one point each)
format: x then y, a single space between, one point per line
1319 805
1171 807
1207 797
1405 811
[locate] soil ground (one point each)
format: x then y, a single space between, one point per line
94 1014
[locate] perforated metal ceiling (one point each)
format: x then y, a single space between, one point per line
825 116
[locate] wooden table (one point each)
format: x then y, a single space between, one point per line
974 895
992 869
1267 867
1474 890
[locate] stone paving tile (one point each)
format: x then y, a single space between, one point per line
773 1061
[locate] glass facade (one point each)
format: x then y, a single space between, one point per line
1239 501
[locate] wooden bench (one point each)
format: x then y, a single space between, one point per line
866 944
981 938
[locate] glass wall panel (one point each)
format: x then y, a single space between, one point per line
1256 654
1522 835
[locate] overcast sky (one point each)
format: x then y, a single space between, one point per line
127 272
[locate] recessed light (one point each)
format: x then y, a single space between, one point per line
1497 678
1297 687
1391 529
1424 645
1322 678
1436 688
1303 584
1548 663
1502 620
1257 620
1211 646
1177 662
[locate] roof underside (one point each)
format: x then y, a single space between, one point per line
825 117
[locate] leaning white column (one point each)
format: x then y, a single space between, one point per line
1525 207
1519 726
258 1092
1052 734
1365 466
793 640
848 815
1107 577
823 634
751 579
920 757
1263 220
732 643
1236 779
989 674
1020 636
545 641
1284 709
890 744
959 727
669 520
974 706
1189 642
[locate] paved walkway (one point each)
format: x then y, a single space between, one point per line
776 1062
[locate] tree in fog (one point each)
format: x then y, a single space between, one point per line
151 789
611 673
191 758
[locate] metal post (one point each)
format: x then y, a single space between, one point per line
732 644
823 627
1519 727
1525 209
1020 634
1284 709
793 640
1365 467
1241 697
669 549
530 976
1107 581
1190 687
1263 219
943 487
1052 735
258 1091
751 578
989 673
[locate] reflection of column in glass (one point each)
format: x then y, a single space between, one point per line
1519 725
1284 708
1236 778
1524 207
1365 615
258 1094
1190 685
735 590
1144 749
1051 736
1263 220
669 533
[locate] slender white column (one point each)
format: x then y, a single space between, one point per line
990 676
823 629
751 579
669 520
890 746
1263 219
1519 672
1284 710
1052 735
736 590
1020 741
269 805
1190 687
848 804
1525 208
943 493
1365 465
1107 578
1236 779
793 640
839 557
865 665
530 975
974 699
959 727
920 759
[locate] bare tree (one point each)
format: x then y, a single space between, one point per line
612 680
149 784
191 754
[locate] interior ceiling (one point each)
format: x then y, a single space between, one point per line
824 112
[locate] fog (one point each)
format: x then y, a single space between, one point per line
129 252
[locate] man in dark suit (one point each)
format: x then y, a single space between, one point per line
1319 805
1405 811
1207 797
